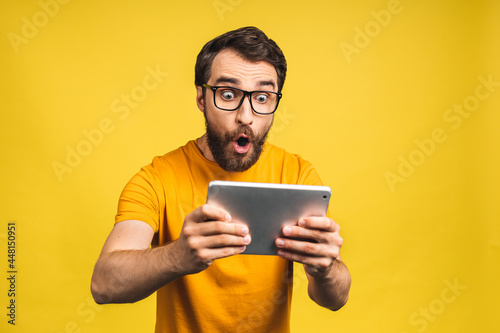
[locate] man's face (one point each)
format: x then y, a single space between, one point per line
235 138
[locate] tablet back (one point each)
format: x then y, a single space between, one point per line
266 208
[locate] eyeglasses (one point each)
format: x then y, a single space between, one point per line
230 99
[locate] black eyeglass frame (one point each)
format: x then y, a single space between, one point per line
245 93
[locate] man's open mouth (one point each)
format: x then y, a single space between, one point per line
242 141
242 144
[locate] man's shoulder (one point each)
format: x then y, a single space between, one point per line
178 154
168 163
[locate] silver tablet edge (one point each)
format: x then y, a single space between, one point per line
271 185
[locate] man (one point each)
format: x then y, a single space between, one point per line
203 284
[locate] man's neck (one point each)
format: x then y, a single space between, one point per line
202 144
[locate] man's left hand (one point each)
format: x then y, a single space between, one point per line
314 242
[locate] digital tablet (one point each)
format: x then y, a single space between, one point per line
266 208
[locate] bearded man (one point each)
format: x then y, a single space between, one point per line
165 237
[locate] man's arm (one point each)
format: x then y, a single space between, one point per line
317 246
331 291
128 271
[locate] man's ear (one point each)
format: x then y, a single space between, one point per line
200 100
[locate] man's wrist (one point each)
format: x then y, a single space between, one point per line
170 261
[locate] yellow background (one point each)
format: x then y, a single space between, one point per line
356 116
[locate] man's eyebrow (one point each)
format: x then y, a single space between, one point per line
230 80
267 83
225 79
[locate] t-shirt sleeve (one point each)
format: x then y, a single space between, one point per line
309 176
141 199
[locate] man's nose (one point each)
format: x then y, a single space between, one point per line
244 114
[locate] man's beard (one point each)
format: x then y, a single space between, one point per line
221 147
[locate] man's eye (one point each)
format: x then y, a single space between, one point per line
228 94
261 98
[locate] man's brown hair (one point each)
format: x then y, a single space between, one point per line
250 43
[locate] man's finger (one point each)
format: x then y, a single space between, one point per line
211 254
219 241
320 223
210 213
316 235
215 228
319 262
308 249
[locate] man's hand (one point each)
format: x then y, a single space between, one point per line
316 243
208 234
128 270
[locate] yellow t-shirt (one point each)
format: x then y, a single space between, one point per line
242 293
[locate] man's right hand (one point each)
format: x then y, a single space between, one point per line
128 270
208 234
